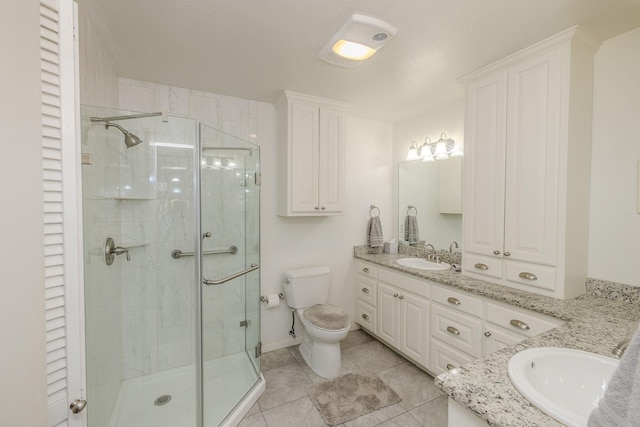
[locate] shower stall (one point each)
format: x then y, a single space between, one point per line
171 238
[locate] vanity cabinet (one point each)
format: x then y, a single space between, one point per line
310 155
367 296
527 159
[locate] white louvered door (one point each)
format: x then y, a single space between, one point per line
62 305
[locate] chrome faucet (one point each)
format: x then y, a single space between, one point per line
619 350
454 243
429 256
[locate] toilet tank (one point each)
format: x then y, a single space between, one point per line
306 286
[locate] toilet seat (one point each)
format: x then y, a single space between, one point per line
327 317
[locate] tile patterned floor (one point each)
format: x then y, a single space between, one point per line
285 402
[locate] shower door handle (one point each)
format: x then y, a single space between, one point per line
233 276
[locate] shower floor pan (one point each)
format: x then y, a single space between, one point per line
143 401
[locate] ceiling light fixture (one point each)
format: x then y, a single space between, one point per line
358 39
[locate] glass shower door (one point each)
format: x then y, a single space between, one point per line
230 230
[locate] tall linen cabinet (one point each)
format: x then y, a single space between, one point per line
526 167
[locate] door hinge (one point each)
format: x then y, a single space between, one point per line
258 349
258 178
245 323
86 159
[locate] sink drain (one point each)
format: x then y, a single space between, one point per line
162 400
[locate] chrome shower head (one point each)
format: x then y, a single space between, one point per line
130 140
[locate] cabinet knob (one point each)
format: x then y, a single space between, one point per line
401 297
365 270
487 334
365 316
507 254
395 295
528 276
454 301
450 367
452 330
496 252
323 208
316 208
481 266
365 290
519 324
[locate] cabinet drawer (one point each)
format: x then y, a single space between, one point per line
443 358
486 266
367 289
523 322
366 317
457 300
539 276
366 269
405 282
456 329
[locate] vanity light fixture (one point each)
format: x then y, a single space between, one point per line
442 149
357 40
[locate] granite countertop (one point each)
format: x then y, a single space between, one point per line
593 323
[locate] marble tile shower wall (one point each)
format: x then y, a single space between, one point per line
158 317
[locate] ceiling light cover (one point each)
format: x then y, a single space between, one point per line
363 30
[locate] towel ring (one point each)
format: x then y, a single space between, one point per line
409 210
371 208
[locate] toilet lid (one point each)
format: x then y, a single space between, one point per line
326 316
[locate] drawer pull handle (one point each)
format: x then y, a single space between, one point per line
496 252
365 316
481 266
365 290
366 270
401 297
519 324
528 276
454 301
453 330
487 334
507 254
450 367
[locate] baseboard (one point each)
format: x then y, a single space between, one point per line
267 347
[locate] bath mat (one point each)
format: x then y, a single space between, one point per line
351 396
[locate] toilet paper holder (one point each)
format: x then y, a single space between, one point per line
263 298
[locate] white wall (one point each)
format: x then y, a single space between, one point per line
614 229
23 394
289 243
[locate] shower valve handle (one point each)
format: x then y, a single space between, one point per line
111 250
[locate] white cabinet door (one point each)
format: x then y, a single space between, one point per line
496 339
388 314
414 327
533 144
331 161
303 160
484 178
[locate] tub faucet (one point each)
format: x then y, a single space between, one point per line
429 256
619 350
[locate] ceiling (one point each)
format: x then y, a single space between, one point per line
255 49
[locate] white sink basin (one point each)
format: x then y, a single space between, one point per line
423 264
563 383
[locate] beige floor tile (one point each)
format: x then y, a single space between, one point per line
376 417
254 410
373 356
255 420
413 385
284 385
348 367
434 413
296 353
404 420
298 413
276 359
355 338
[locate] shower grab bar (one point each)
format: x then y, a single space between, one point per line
233 276
177 253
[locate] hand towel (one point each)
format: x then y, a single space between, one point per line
620 405
411 229
374 232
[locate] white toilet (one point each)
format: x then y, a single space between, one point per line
307 290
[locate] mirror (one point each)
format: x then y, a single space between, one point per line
434 189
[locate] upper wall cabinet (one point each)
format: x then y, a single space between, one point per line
526 169
310 155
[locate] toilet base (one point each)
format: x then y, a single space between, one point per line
323 358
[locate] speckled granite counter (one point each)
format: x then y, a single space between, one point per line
593 323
